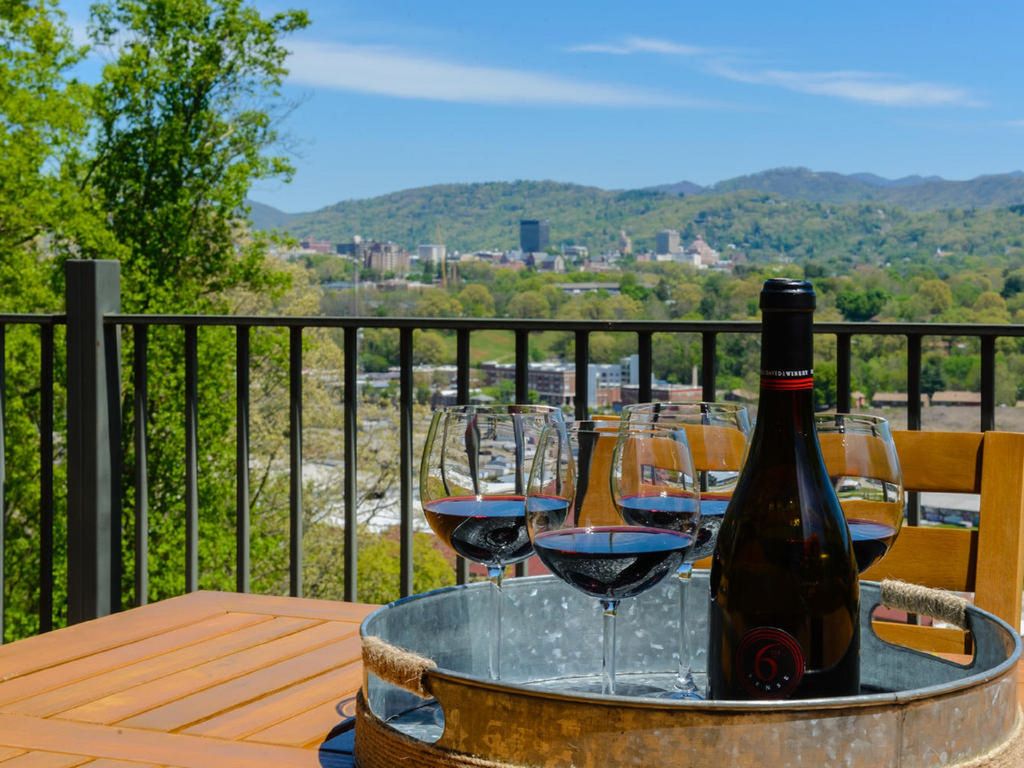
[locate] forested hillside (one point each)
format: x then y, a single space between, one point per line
764 225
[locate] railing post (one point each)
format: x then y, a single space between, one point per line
93 289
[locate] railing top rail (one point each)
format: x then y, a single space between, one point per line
10 318
512 324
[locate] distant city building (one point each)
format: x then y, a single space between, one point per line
667 242
575 251
317 246
534 235
431 254
700 254
350 249
387 257
549 262
555 383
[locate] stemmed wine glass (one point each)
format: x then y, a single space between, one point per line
860 457
718 434
607 549
473 478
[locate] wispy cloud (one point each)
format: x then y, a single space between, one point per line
632 45
852 85
392 72
1014 123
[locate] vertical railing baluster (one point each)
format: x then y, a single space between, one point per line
140 375
405 392
242 564
913 412
45 478
351 478
191 458
914 381
988 383
522 365
708 365
645 354
462 398
843 372
582 374
295 460
3 472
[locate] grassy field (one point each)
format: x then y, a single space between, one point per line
499 346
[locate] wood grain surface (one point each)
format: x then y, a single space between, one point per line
207 679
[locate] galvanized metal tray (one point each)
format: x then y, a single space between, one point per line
915 710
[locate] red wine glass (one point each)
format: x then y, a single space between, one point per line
718 434
473 476
860 457
592 540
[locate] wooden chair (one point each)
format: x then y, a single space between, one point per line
989 561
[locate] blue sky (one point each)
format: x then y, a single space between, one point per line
392 95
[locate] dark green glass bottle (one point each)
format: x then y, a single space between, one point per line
784 613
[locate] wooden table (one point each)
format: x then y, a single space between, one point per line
208 679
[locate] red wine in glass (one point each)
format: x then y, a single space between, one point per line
486 529
614 561
871 540
664 510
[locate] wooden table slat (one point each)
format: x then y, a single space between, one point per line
63 645
125 704
250 718
83 692
61 675
175 749
106 763
45 760
219 698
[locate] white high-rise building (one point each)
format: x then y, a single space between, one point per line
431 254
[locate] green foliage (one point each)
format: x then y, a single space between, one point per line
379 567
181 136
860 306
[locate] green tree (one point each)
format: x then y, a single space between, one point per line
184 125
182 133
476 301
859 306
529 304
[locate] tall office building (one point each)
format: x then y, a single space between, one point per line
667 242
533 235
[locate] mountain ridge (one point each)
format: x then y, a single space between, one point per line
486 214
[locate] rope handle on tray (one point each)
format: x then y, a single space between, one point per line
397 666
913 598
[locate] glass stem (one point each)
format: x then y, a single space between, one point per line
608 659
495 574
684 676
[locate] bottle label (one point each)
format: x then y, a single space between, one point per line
787 381
769 663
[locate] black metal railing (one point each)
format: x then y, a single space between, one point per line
93 353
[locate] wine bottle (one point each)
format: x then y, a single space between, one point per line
784 613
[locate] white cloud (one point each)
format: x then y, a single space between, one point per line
391 72
866 87
1014 123
639 45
